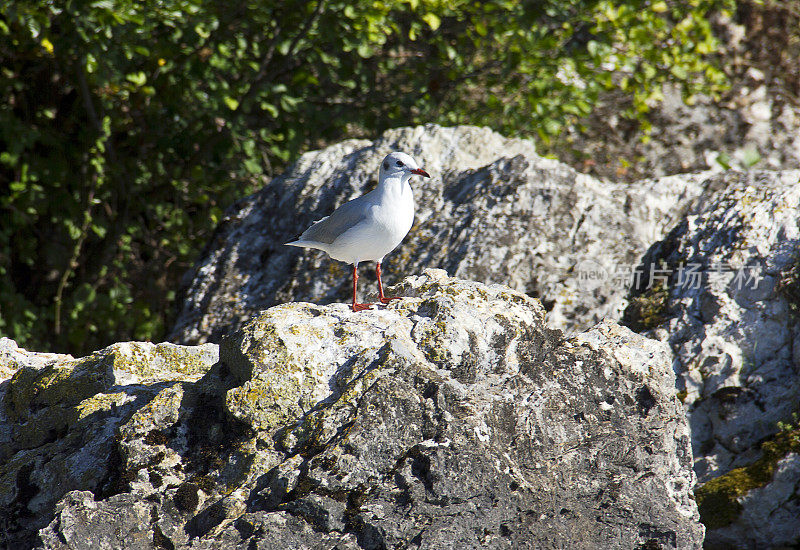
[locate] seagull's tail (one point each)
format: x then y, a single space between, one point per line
306 244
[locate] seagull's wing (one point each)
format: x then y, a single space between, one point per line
343 218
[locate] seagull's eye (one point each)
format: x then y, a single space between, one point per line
399 163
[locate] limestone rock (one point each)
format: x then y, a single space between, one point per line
748 128
729 311
59 420
767 515
493 211
454 418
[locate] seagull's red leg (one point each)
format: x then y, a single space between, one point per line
384 299
356 306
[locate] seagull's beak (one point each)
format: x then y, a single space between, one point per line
420 172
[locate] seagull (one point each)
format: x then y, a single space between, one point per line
367 228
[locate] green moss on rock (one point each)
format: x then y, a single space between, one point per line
647 310
788 286
64 383
718 499
100 402
164 361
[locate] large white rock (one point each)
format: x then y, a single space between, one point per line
494 211
734 331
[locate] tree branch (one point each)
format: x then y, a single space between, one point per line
73 261
262 74
87 97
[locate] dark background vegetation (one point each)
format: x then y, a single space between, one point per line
127 127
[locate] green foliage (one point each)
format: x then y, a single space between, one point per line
128 126
791 425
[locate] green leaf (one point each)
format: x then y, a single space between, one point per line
232 103
138 78
364 50
679 71
724 160
99 230
202 31
750 157
659 7
270 108
432 20
8 159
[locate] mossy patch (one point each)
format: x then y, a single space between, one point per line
266 404
186 498
431 343
69 383
100 402
718 499
788 286
332 421
647 310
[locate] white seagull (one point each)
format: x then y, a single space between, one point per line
369 227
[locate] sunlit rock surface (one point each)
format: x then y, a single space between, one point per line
730 312
454 418
493 211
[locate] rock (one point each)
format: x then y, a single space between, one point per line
745 130
60 416
126 523
729 312
454 418
767 515
503 218
493 211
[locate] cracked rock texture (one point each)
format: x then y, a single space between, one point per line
494 211
60 417
454 418
734 332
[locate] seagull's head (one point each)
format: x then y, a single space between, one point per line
400 164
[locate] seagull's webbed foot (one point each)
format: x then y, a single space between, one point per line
386 300
360 307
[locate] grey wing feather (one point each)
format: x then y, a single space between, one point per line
330 228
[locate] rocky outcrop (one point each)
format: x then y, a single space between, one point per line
60 417
493 211
497 212
454 418
726 298
755 126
